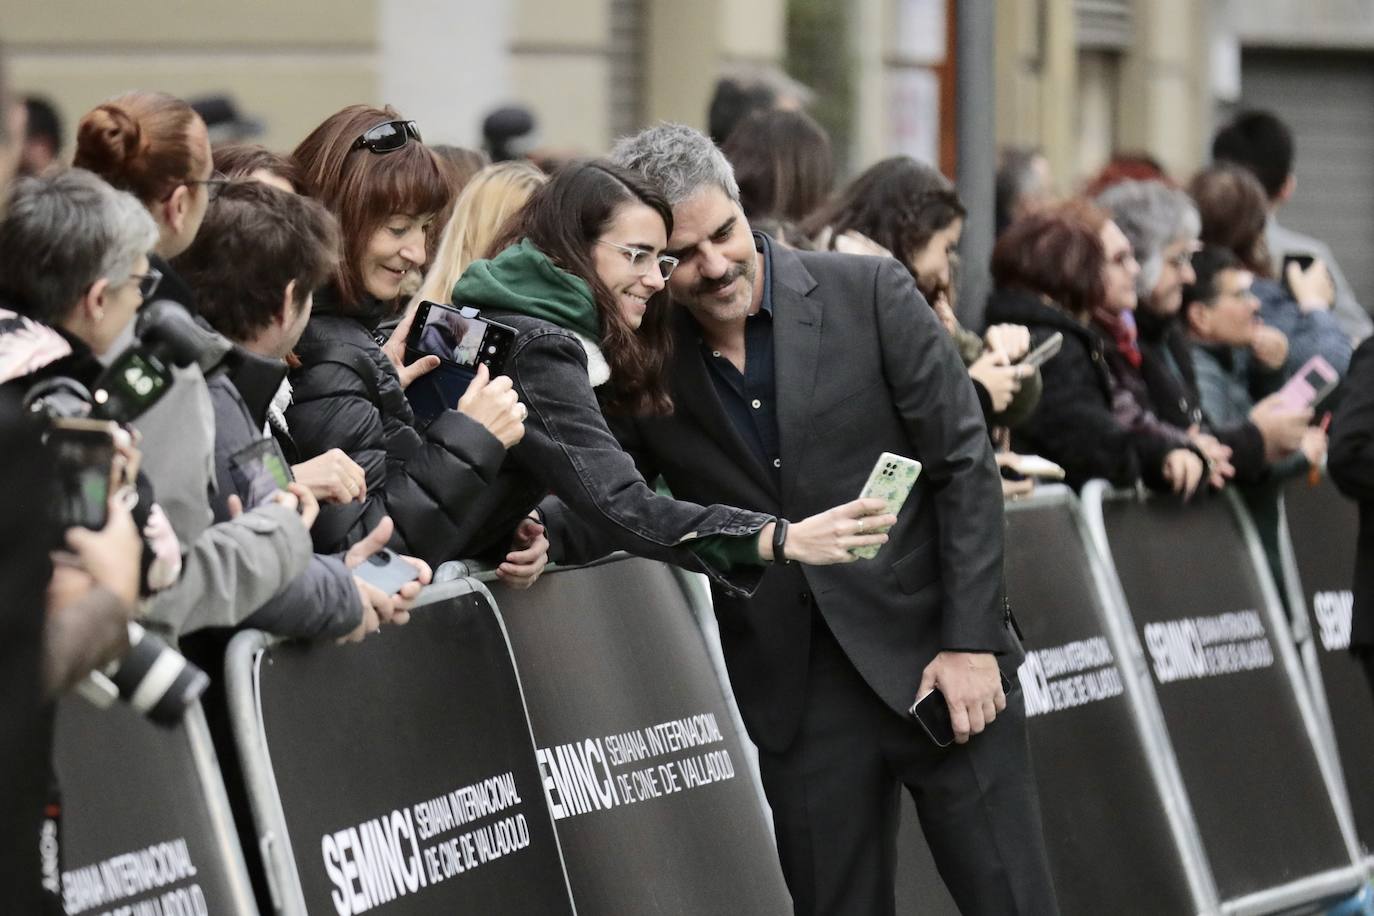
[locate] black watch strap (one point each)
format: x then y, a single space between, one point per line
780 541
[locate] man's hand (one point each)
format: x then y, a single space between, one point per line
1270 346
385 608
528 557
112 555
972 687
827 537
333 477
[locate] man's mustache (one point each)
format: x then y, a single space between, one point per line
707 286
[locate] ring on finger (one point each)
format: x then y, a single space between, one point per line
860 529
524 411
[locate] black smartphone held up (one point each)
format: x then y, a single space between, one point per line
386 570
1045 352
931 712
462 340
83 452
1304 262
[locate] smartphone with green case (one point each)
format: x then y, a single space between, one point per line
891 481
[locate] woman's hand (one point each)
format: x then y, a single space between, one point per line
1311 287
828 537
1011 340
1216 457
332 477
494 403
528 556
1001 381
1183 470
395 350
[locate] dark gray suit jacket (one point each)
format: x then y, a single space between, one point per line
862 367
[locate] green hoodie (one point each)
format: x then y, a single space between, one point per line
523 280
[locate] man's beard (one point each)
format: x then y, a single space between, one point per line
702 295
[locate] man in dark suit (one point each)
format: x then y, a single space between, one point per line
791 373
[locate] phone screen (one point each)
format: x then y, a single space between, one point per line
83 459
258 471
461 339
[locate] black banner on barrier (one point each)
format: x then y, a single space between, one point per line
1099 801
1250 771
1322 526
643 769
406 771
139 834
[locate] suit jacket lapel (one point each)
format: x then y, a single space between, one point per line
797 323
694 392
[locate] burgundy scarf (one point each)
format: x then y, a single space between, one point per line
1121 325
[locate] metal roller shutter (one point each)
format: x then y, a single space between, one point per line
1327 98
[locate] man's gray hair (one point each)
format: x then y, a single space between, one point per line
1152 216
680 161
63 233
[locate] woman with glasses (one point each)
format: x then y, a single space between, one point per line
1162 226
157 148
578 274
370 169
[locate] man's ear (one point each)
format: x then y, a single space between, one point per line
1290 184
174 208
93 302
1198 317
288 309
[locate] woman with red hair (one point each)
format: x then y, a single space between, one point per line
1051 273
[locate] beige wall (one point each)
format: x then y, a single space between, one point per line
316 56
1166 90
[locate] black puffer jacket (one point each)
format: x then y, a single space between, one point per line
1074 426
1171 379
347 395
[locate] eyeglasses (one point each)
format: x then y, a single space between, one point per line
147 283
388 137
642 260
213 185
1184 257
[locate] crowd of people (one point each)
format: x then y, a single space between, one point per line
712 346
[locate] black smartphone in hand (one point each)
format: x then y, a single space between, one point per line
931 712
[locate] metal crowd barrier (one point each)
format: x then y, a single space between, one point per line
1119 831
1234 706
620 683
1317 546
400 772
145 823
1188 760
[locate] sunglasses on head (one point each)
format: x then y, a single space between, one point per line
388 137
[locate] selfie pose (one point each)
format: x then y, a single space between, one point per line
371 170
791 372
571 297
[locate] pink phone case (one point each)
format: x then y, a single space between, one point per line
1314 381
